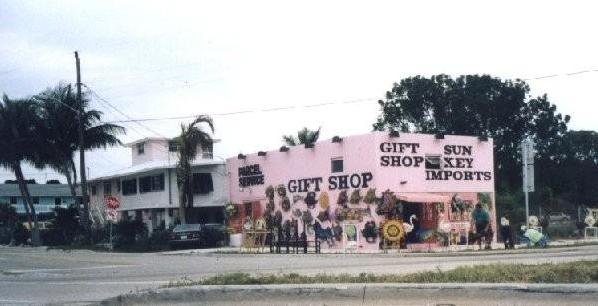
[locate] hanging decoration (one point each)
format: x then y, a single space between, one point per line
307 218
297 213
370 232
277 218
324 216
281 190
270 192
392 230
270 204
337 229
355 197
285 204
297 198
324 200
310 200
343 198
370 196
230 210
260 224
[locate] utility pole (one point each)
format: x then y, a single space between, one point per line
84 205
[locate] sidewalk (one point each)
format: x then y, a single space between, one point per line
497 248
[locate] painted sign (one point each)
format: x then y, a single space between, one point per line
250 175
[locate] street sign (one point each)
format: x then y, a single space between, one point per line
528 156
112 204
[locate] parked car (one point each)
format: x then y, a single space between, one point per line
186 235
558 217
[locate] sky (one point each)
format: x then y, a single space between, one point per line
155 59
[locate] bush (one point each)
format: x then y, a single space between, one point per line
562 230
21 234
128 233
65 226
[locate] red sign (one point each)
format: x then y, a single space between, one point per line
112 202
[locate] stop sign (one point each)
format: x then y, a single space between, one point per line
112 202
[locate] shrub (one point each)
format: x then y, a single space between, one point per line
65 226
20 234
128 232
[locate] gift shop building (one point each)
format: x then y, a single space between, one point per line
372 191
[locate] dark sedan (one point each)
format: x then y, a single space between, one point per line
186 235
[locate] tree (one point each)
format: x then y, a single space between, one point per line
476 105
304 136
20 142
59 126
188 141
8 218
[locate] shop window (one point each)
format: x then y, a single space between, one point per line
173 146
337 165
433 162
202 183
129 186
35 200
13 200
151 183
107 188
140 148
57 201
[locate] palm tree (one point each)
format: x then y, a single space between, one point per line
59 126
190 138
20 142
304 136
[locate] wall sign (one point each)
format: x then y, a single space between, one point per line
455 161
250 175
344 181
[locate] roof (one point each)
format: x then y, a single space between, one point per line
147 139
36 190
153 165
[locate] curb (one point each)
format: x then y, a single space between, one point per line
198 293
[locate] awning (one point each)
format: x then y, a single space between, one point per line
422 197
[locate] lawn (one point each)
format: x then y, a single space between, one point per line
573 272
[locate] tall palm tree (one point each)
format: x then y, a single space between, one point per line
59 126
20 142
190 138
304 136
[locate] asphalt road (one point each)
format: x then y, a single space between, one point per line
38 276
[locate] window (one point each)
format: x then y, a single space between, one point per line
433 162
206 150
93 190
35 200
57 201
107 188
140 148
129 186
13 200
202 183
173 146
151 183
337 165
117 186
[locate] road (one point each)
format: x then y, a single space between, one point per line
37 276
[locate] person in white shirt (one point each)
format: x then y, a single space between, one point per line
506 231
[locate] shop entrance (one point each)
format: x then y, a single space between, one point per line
410 209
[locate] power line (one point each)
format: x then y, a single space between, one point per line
560 75
273 109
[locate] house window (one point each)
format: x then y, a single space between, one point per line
140 148
202 183
93 190
129 186
57 201
35 200
13 200
107 188
118 186
151 183
173 146
433 162
207 150
337 165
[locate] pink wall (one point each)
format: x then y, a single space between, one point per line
363 155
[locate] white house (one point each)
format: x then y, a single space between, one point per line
148 189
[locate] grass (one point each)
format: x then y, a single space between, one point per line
573 272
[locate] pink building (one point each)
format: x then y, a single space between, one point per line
356 185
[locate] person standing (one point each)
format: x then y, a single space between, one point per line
481 220
506 232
